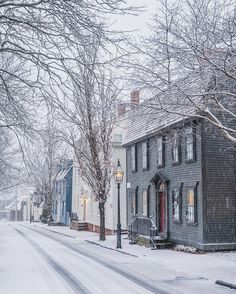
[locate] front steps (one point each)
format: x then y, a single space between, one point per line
79 226
156 243
162 244
82 226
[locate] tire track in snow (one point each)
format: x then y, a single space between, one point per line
72 281
133 278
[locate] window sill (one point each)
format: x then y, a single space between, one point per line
177 222
145 168
134 171
191 224
190 160
174 163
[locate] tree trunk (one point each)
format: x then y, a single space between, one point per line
102 235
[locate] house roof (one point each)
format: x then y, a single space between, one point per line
62 174
171 106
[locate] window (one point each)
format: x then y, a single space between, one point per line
191 206
175 148
189 137
160 157
176 201
145 203
117 138
145 154
133 158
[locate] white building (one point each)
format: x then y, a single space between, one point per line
83 200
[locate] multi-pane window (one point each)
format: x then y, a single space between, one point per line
145 203
117 138
176 200
133 201
189 143
191 206
133 158
145 154
175 147
160 151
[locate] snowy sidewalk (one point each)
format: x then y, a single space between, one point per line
211 266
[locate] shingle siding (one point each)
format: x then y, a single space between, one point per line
187 173
214 173
220 187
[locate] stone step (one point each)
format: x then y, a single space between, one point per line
82 226
163 245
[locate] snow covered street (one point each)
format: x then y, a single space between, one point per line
35 259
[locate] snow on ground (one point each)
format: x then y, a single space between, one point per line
213 266
101 271
22 270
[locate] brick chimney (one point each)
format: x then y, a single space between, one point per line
135 97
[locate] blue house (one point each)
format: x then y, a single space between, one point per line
62 193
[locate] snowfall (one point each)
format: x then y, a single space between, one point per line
36 258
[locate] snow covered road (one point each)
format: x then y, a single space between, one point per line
33 260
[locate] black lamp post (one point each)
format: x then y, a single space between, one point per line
119 174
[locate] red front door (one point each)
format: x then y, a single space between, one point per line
161 212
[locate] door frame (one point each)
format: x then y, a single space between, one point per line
162 187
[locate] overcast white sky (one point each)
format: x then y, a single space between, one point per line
137 22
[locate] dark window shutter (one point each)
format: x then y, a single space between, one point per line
180 202
194 142
136 200
195 203
148 201
163 151
148 154
179 150
136 158
173 201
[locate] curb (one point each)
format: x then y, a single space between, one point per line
109 248
91 242
225 284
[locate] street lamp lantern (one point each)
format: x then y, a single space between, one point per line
119 174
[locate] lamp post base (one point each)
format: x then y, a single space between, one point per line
118 237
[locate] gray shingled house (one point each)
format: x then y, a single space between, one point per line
181 178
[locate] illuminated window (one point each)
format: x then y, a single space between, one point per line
191 206
176 200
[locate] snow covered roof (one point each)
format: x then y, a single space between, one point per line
175 104
16 203
62 174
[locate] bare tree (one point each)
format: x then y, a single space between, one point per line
42 155
38 40
90 116
188 61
